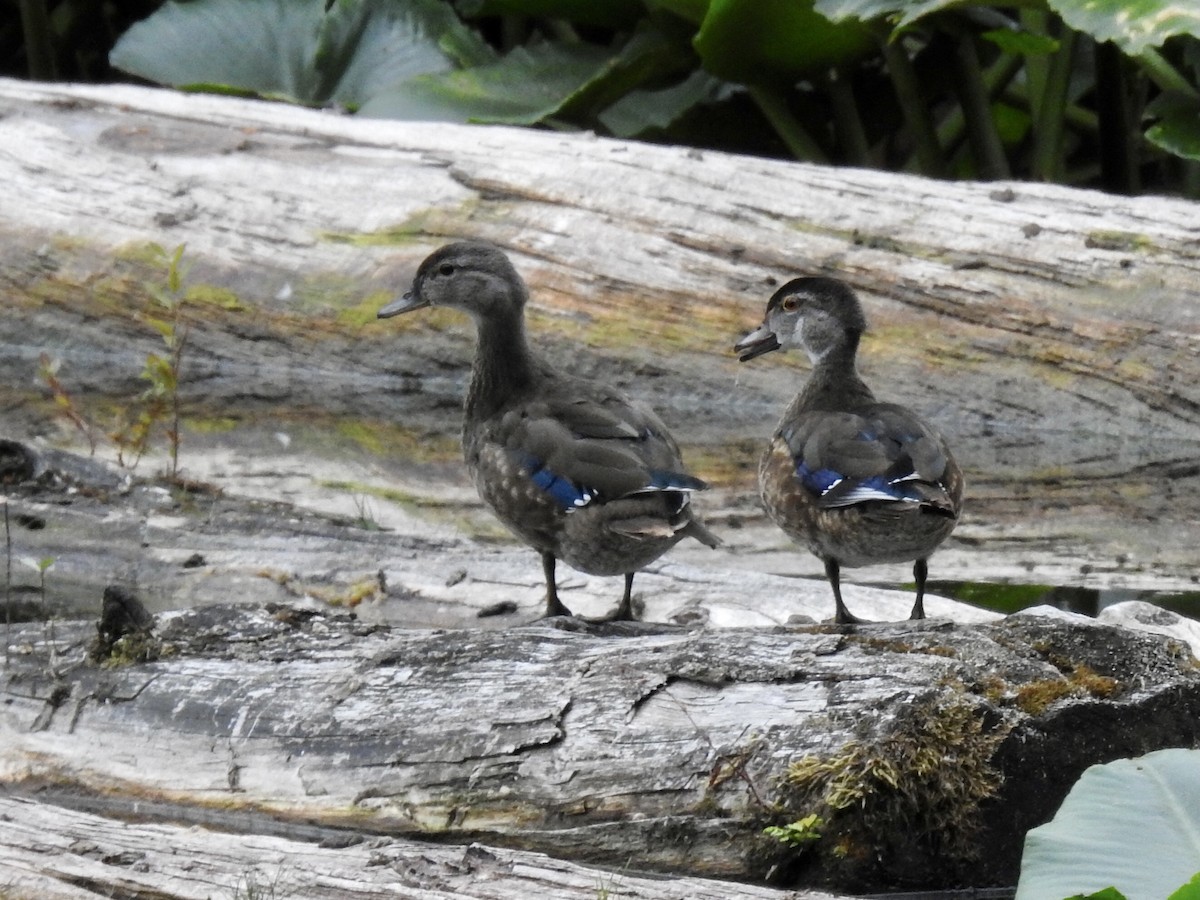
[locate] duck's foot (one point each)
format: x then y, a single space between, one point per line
844 617
605 620
555 607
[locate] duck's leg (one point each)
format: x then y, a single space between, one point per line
843 615
554 606
625 610
920 571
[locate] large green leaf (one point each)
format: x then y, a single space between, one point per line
765 41
642 111
1178 133
526 86
294 49
264 46
898 12
1133 824
1133 25
690 10
611 13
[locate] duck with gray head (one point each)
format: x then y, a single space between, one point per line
572 467
856 481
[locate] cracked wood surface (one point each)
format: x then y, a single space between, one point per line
648 746
1050 332
49 852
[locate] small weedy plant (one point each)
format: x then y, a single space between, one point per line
64 403
7 585
159 402
158 405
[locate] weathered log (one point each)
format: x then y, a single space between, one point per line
1048 331
640 745
50 852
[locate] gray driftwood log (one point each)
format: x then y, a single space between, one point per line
639 746
1051 333
53 853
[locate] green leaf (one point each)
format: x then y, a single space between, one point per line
162 326
1109 893
690 10
265 46
607 13
293 49
1133 824
799 833
525 87
1189 891
370 45
648 57
641 111
1133 25
898 12
757 42
1010 122
1021 42
1177 133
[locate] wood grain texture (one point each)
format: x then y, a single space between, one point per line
1051 333
653 746
53 853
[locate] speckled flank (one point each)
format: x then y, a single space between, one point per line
571 466
853 480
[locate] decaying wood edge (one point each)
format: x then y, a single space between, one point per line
51 852
666 747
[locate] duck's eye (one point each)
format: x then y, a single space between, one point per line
446 269
790 304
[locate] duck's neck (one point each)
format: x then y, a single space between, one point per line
504 366
834 384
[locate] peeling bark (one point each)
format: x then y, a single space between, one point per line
643 745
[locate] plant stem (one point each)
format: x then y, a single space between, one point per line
1164 75
7 584
1037 65
930 160
977 113
799 142
39 51
1191 178
1118 155
847 122
1050 112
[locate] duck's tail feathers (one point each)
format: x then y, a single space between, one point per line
673 481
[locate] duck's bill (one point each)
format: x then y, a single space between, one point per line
404 304
756 343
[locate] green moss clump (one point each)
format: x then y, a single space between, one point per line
365 312
895 645
211 295
1124 241
133 649
1078 681
907 801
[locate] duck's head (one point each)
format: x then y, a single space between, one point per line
476 278
819 315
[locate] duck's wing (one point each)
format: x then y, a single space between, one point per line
880 453
594 447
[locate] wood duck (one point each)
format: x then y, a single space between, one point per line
854 480
574 468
